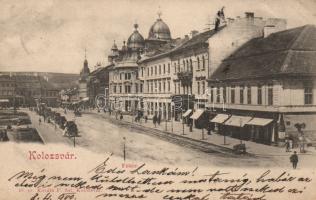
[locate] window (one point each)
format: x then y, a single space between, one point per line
188 66
152 87
241 94
198 63
198 87
270 94
168 86
249 94
168 68
159 69
175 88
152 70
120 89
203 87
232 94
136 88
147 71
224 94
183 65
218 95
178 65
120 76
142 71
308 93
203 63
141 88
191 65
164 86
155 70
164 68
259 95
175 68
148 87
212 95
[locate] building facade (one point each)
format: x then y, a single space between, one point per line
266 88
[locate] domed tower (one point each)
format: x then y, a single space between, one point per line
136 41
159 30
159 34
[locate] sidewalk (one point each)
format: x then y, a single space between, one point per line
253 148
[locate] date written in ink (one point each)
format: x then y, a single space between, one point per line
49 196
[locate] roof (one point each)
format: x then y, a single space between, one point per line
198 39
289 52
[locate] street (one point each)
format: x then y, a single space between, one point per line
99 135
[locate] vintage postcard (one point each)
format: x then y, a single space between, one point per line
158 99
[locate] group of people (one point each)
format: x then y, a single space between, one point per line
156 119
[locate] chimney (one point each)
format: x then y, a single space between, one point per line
194 33
250 15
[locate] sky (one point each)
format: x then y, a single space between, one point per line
51 35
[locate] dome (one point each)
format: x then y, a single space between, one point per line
136 40
159 31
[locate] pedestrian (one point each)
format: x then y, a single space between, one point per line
121 116
294 160
159 119
146 118
287 145
39 121
155 120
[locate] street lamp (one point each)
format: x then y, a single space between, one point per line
172 113
124 148
182 123
240 123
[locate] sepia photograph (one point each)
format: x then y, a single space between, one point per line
157 99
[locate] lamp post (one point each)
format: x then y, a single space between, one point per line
240 123
124 148
182 123
172 113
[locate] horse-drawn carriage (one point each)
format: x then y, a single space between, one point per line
71 129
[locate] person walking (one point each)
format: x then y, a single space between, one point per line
155 120
287 145
159 119
39 121
294 160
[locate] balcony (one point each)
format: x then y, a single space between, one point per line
185 77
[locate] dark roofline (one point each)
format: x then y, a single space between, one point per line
180 47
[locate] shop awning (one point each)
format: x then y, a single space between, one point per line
239 121
197 114
259 121
187 113
220 118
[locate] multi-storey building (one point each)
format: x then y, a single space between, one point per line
267 87
124 85
26 89
180 68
